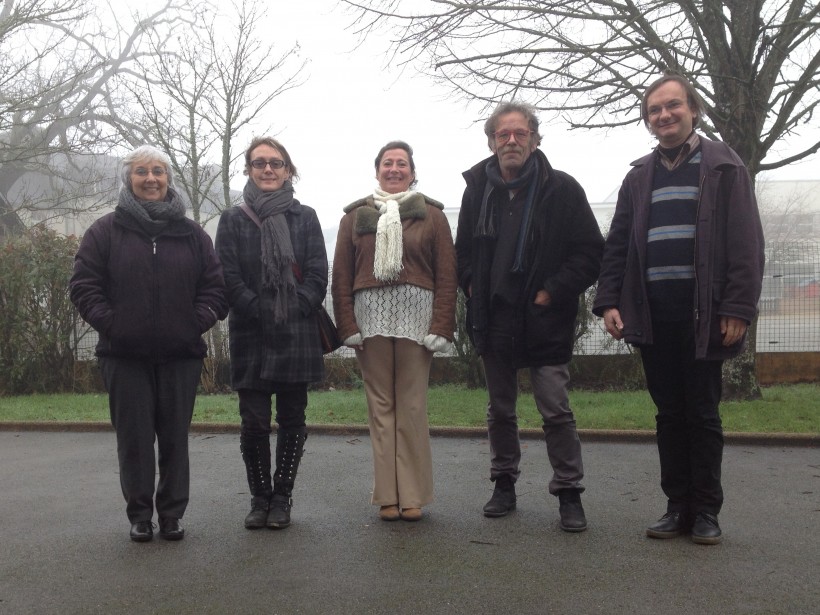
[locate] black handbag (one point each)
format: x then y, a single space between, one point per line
328 334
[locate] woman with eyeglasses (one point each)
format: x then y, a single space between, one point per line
273 254
147 279
394 297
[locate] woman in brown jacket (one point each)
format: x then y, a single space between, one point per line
394 296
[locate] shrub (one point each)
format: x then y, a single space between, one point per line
38 323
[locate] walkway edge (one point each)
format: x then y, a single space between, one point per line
586 435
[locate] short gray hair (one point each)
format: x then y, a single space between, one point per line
144 152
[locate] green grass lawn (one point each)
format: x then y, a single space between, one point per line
786 409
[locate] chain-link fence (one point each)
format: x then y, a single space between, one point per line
789 319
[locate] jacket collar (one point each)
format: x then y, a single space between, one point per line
715 154
367 216
477 173
175 228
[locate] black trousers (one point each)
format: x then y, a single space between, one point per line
255 408
687 393
148 401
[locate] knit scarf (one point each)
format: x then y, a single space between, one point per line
152 216
387 262
528 177
277 250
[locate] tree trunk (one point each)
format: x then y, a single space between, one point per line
739 376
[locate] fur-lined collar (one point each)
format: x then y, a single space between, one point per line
367 216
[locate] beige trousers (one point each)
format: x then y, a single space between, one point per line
396 373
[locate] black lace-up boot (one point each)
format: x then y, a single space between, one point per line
256 454
290 444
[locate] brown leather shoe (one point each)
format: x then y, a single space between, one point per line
411 514
389 513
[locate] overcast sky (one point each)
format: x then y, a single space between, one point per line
353 102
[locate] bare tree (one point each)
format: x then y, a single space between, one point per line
59 109
755 63
787 210
197 96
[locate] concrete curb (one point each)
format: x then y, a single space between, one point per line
586 435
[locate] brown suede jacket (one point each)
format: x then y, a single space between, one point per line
428 260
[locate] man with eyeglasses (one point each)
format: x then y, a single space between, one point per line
681 276
528 246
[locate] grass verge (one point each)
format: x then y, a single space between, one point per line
783 409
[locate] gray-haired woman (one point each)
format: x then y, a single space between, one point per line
147 279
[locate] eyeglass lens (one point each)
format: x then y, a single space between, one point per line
156 171
275 163
502 136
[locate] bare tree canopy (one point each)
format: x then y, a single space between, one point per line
60 63
195 95
755 63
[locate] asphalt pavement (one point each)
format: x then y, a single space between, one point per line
64 544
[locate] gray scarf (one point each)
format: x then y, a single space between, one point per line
152 216
277 251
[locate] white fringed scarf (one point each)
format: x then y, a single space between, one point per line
387 262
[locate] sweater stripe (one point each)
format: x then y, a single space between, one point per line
678 231
670 247
673 193
683 272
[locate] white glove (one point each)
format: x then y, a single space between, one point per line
354 341
436 343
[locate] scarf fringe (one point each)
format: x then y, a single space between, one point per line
389 246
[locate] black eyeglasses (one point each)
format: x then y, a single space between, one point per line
274 163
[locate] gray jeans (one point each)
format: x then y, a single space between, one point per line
549 385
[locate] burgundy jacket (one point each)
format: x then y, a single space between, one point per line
728 251
148 298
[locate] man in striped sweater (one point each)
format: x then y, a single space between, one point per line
680 279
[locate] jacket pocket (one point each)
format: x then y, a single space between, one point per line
549 328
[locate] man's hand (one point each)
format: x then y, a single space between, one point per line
542 297
613 323
732 329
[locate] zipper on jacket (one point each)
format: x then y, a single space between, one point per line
155 300
695 257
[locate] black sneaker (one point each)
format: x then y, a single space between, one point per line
705 529
503 500
673 523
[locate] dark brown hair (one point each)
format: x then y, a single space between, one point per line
271 142
403 146
692 98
